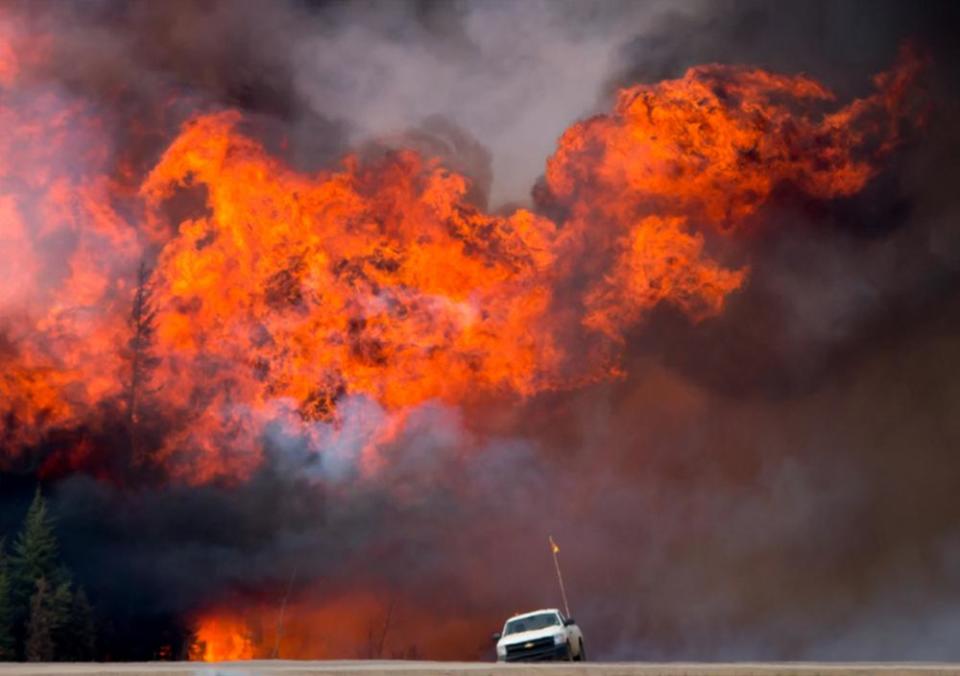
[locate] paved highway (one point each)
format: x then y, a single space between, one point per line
366 668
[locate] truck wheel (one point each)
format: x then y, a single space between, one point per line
582 655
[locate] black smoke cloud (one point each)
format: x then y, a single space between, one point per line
775 483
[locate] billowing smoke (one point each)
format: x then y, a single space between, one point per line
366 390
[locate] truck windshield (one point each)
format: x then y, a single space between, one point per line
531 623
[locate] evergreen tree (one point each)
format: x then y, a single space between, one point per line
77 641
34 557
40 628
60 607
50 608
35 550
8 644
41 618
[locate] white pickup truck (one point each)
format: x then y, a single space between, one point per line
540 635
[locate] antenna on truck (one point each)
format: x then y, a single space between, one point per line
556 563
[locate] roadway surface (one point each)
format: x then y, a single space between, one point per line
366 668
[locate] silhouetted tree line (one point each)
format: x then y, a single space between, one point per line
44 617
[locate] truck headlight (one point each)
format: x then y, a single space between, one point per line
559 639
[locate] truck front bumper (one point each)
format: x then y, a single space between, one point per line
537 653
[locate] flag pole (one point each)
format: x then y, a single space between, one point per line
556 564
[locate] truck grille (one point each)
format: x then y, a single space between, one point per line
537 649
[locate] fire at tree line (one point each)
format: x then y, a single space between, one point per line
45 615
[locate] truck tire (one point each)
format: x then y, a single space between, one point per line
582 655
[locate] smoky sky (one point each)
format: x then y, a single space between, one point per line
778 482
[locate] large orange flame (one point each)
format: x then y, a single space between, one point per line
282 294
702 154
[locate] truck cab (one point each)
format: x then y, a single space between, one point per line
540 635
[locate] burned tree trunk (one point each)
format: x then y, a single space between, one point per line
142 360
